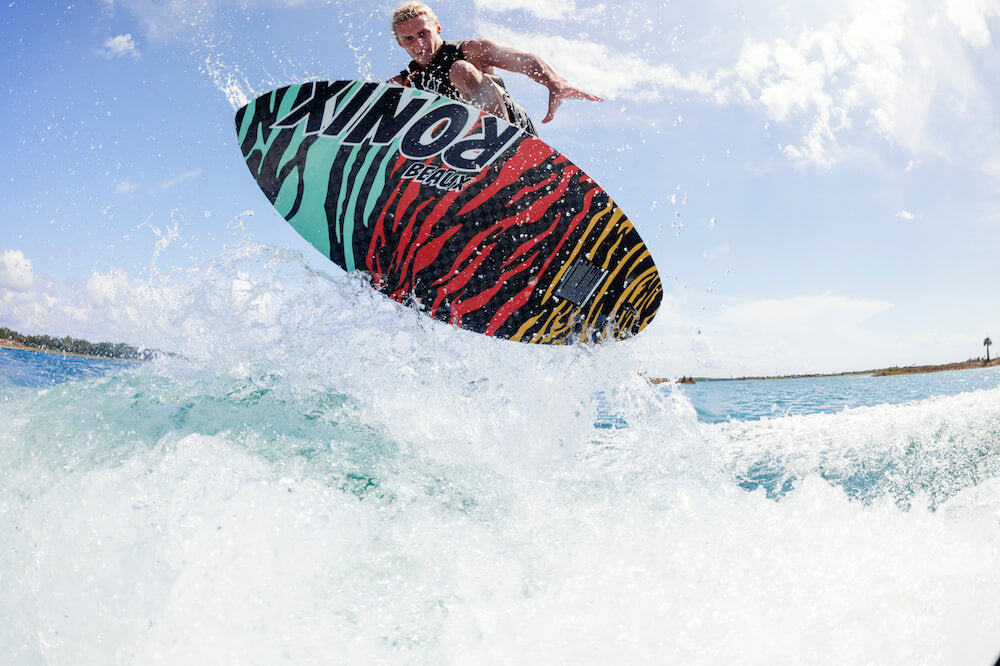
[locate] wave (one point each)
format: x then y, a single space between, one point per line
923 451
319 475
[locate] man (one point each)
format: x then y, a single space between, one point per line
467 70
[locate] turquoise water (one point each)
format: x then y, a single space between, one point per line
20 367
322 476
742 400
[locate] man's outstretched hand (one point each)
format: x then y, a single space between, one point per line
564 92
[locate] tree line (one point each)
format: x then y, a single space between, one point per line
116 350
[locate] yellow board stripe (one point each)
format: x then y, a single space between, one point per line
576 250
554 323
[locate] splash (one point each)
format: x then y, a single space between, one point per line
317 470
233 85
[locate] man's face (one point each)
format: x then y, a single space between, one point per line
421 37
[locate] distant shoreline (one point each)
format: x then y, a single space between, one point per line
883 372
10 344
917 369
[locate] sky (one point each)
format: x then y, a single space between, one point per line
818 183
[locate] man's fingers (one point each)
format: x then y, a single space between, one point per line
567 93
576 93
554 102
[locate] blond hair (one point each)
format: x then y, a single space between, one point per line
409 10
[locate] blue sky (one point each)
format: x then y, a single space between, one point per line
819 182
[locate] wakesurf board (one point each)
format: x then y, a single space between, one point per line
483 225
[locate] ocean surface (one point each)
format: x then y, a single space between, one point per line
19 367
742 400
321 476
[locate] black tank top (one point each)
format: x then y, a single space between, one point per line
436 78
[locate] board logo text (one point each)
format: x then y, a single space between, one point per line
442 178
425 126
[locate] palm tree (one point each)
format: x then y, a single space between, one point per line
987 342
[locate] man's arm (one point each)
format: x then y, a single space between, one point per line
486 54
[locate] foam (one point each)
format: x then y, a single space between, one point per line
199 551
322 476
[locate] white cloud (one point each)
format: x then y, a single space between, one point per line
16 273
543 9
992 167
892 71
804 313
905 215
105 306
802 334
598 68
835 82
128 187
119 46
171 183
24 297
970 17
717 252
834 78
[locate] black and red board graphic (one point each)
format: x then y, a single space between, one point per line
482 224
